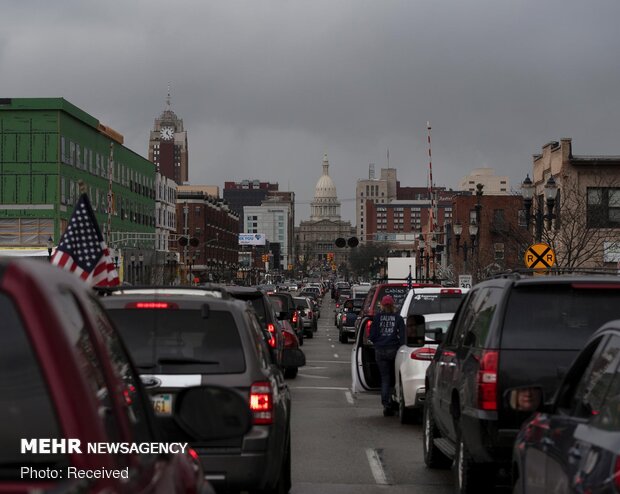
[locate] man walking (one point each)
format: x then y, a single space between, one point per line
387 333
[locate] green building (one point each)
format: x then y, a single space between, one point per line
47 146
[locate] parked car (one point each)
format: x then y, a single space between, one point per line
364 371
184 340
411 364
67 376
346 324
508 332
305 307
571 445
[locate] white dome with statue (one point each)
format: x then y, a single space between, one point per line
325 204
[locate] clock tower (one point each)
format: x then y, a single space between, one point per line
168 145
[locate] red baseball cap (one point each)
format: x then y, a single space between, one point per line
387 300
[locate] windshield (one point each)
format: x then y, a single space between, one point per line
181 341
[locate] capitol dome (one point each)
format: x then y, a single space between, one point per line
325 204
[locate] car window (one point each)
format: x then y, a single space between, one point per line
592 388
264 357
398 293
26 408
485 307
301 301
181 341
435 303
434 325
463 319
137 415
557 317
609 416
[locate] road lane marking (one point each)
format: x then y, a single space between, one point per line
313 377
376 466
349 397
336 355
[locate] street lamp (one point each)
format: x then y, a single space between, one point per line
421 247
433 251
550 193
50 246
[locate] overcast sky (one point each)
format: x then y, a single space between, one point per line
266 87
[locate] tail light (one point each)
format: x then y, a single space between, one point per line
295 316
261 403
423 353
310 314
290 340
487 380
337 306
367 329
616 474
272 331
450 290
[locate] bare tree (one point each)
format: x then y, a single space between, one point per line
579 230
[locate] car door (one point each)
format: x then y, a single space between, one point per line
447 366
567 442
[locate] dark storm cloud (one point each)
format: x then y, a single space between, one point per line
266 87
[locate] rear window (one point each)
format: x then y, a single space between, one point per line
557 317
301 302
434 303
181 341
26 409
284 300
398 293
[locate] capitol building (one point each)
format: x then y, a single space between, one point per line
315 237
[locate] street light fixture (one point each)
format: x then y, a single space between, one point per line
550 193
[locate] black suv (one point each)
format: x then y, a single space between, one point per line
190 338
508 332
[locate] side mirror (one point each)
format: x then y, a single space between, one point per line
415 330
525 399
212 412
436 334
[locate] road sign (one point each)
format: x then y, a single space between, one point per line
465 280
539 256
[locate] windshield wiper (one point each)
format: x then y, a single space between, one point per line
188 360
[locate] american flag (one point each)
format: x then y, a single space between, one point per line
82 249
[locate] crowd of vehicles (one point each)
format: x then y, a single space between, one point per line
512 380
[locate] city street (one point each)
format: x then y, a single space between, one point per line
341 442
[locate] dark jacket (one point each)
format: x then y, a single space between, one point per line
388 330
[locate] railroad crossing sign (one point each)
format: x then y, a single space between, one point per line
539 256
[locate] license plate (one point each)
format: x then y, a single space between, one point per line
162 404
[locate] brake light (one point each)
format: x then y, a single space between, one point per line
450 290
487 380
295 316
423 353
272 331
261 403
337 305
192 453
595 286
151 305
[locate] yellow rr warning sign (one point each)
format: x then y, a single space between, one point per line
539 256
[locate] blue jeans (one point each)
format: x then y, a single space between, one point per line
385 357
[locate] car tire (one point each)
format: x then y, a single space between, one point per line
469 477
433 457
291 372
343 338
405 415
284 484
309 335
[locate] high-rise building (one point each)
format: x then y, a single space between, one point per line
246 193
168 145
378 191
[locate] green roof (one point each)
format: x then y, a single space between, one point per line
59 104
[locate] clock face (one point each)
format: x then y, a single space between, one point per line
166 133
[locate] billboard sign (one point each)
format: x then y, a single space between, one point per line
251 239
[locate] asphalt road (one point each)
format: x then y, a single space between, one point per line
341 443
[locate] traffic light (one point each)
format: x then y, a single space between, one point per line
265 257
352 242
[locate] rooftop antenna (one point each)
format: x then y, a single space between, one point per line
168 98
388 158
431 196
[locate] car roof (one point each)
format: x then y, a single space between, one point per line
439 290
